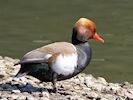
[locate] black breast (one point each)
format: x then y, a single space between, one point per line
84 55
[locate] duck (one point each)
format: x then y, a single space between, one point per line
61 60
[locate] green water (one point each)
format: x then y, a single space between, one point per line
29 24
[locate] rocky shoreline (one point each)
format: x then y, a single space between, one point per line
80 87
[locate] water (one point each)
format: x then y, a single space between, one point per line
29 24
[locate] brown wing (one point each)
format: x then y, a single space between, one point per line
42 54
58 47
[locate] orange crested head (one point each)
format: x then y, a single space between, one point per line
85 29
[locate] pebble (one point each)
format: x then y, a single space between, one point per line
80 87
16 91
22 97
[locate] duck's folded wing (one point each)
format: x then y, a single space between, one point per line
41 55
34 56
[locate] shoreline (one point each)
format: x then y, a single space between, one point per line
80 87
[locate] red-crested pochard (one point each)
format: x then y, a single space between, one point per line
61 60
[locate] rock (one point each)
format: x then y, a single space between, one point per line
92 95
44 98
102 80
1 58
2 71
6 86
29 88
89 80
22 97
80 87
45 94
14 96
4 99
16 91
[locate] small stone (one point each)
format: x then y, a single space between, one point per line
102 80
23 79
98 87
26 94
103 99
81 79
9 59
130 91
92 95
129 95
1 58
3 99
72 98
45 94
15 79
36 94
88 83
2 71
86 89
68 87
120 98
16 91
44 98
21 97
30 98
14 96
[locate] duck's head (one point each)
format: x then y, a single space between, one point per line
83 30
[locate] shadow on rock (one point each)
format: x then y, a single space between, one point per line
21 88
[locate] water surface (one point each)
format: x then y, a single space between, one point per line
29 24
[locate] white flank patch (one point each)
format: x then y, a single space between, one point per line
65 65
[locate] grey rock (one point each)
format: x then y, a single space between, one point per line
29 88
